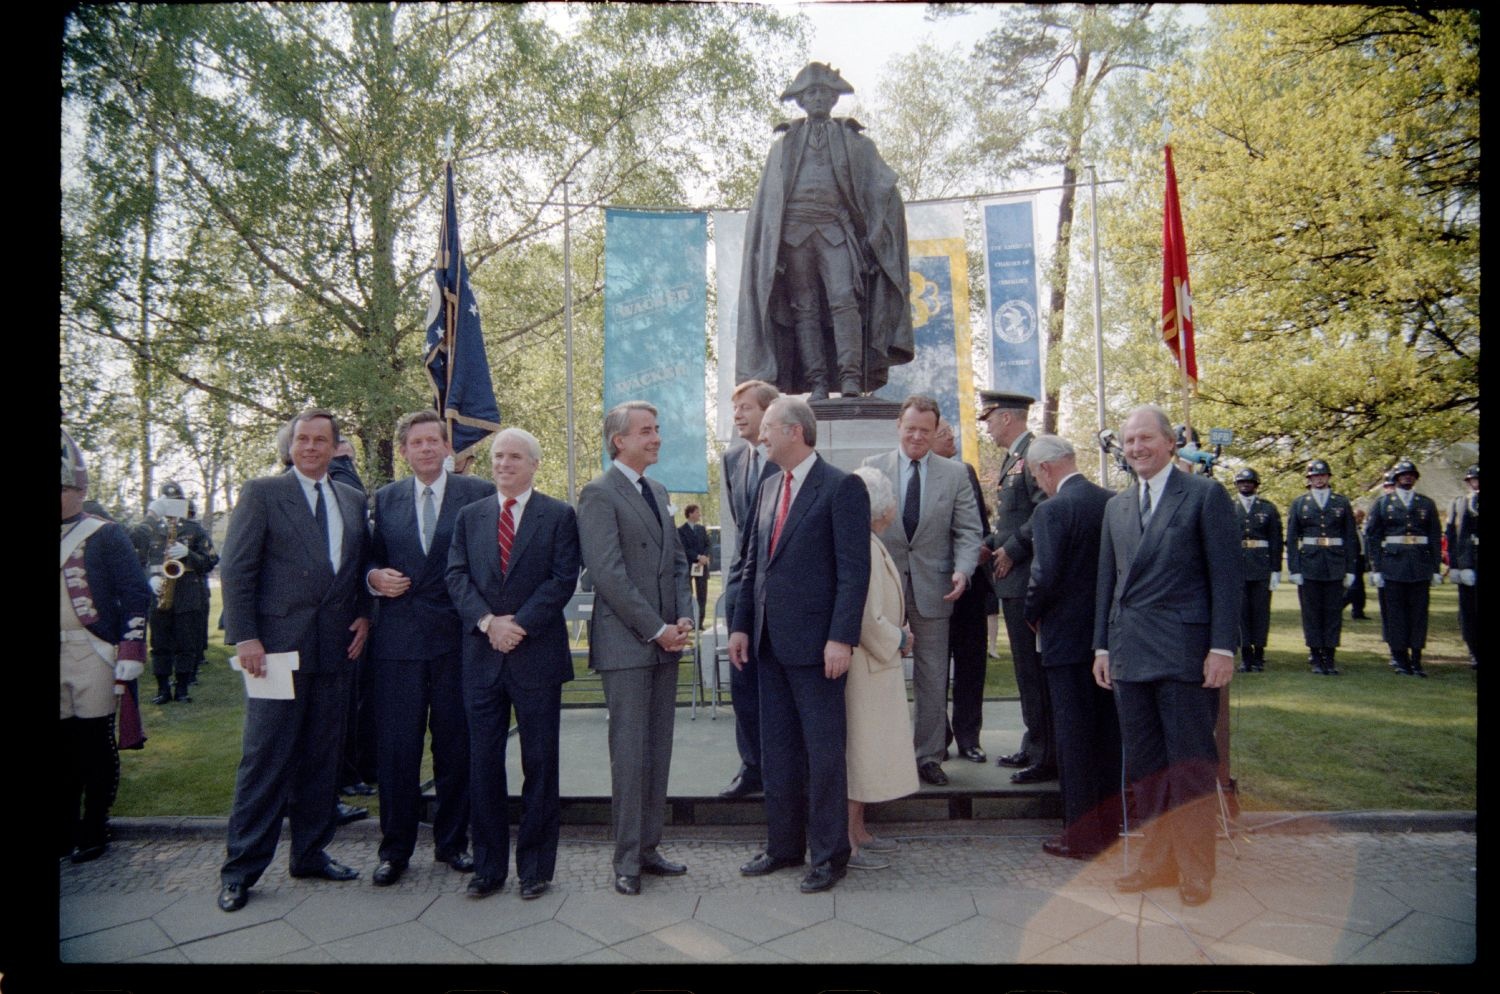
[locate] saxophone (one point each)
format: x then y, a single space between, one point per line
171 570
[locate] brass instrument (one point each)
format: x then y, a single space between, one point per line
171 570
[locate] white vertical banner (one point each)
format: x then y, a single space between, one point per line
729 251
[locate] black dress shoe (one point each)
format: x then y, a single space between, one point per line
360 789
533 889
1058 847
162 698
232 897
659 866
346 813
821 877
388 872
331 870
932 773
766 863
481 886
745 782
1194 892
1015 760
1139 880
461 861
1034 774
86 854
973 754
626 884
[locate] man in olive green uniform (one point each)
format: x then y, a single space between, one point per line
1260 546
1321 544
1403 539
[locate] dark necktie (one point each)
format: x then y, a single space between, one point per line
911 513
507 534
320 515
650 499
786 505
1145 504
429 518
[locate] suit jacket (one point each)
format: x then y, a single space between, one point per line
1167 595
542 576
639 569
1020 495
694 540
741 491
947 537
812 590
421 623
1064 568
1262 523
278 584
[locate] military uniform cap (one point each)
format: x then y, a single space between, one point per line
1405 466
1005 401
1318 468
171 489
1472 473
1247 474
816 74
1389 480
74 473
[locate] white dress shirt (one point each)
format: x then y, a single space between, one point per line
331 506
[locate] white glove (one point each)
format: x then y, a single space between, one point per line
1378 580
1275 580
1297 579
1437 579
1467 577
1348 580
177 551
156 585
129 669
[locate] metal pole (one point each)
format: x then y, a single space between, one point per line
1098 320
568 339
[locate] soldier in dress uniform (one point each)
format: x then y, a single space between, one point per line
1387 486
1321 544
1463 561
179 614
1402 539
1260 544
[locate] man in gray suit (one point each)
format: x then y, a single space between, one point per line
935 544
643 619
1166 620
293 574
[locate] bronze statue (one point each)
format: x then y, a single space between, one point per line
825 278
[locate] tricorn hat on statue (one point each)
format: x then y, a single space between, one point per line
1005 400
74 473
816 74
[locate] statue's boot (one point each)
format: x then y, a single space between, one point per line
848 337
814 362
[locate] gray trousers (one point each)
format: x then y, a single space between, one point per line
929 679
642 707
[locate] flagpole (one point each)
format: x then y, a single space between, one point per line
568 339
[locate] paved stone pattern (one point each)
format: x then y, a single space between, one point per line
956 892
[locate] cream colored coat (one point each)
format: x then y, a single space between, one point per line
879 725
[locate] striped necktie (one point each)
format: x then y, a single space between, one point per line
507 534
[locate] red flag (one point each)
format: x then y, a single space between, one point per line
1176 298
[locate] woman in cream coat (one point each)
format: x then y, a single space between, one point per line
878 747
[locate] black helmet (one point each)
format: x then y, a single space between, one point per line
171 489
1247 475
1472 473
1318 468
1403 467
1389 480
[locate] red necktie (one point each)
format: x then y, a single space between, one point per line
786 505
507 533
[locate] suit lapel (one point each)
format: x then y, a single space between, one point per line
447 513
536 513
804 498
1173 494
632 496
352 510
294 506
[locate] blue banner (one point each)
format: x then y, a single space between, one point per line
1010 270
655 308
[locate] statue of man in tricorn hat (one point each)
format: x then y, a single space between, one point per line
823 291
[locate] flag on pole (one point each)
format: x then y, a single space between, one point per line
1176 297
456 364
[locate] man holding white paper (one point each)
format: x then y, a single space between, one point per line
293 579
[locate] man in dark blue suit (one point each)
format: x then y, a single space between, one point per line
1060 609
803 582
1166 620
745 466
415 650
293 579
512 565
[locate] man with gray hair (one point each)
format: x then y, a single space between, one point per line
1060 609
643 619
1166 620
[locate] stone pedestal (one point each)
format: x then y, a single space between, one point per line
852 429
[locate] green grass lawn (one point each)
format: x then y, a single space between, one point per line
1366 740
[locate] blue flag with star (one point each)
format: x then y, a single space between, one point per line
456 362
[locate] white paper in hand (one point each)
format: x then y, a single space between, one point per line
276 685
